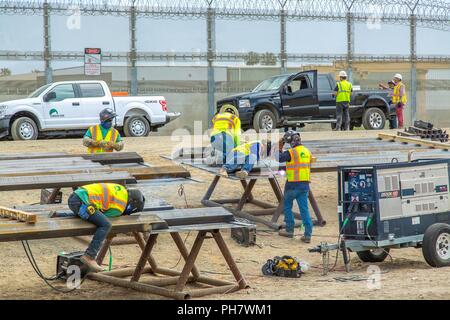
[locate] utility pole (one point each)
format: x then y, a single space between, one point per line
133 54
47 44
211 45
283 43
413 53
350 38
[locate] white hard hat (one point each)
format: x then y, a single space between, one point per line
398 76
343 74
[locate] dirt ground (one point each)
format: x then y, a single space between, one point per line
407 276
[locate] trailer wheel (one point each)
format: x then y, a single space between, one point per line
436 245
375 255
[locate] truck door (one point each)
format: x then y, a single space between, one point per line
93 100
61 107
327 102
299 96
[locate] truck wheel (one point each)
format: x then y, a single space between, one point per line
375 255
24 128
136 126
436 245
374 119
264 120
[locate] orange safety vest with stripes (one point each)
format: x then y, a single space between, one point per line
397 97
299 168
96 134
105 196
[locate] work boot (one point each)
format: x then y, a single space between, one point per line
305 239
91 263
210 160
223 172
285 233
242 174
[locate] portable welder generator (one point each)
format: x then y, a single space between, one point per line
395 205
65 260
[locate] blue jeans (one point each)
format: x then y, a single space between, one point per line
98 219
302 200
222 143
239 161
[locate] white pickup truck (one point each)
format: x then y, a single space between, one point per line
72 106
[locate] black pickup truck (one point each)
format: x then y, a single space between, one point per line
306 97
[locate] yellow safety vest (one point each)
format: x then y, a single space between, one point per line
299 168
224 122
105 196
96 134
344 91
245 147
396 98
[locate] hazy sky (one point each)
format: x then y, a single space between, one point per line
111 34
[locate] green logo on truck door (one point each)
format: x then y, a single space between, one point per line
55 114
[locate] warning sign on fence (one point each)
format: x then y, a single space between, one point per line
92 61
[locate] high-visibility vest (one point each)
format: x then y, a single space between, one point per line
96 134
224 122
299 168
105 196
344 91
245 148
396 98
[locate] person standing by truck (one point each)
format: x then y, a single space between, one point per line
298 173
343 93
399 98
103 137
390 86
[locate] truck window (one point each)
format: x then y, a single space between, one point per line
63 91
91 90
297 84
324 84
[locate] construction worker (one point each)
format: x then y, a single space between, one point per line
298 174
390 86
343 93
244 157
225 136
96 203
399 98
103 137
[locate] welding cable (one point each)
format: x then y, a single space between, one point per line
47 280
369 222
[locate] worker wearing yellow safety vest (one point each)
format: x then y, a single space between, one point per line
96 203
225 135
298 174
103 137
399 99
343 93
244 158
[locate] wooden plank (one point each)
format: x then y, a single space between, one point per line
432 144
18 215
61 181
61 228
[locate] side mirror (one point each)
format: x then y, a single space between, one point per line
50 96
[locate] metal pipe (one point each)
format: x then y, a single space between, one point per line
133 52
211 47
47 44
214 290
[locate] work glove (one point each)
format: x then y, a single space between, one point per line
103 144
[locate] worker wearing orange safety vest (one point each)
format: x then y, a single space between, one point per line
399 99
103 137
225 134
298 174
96 203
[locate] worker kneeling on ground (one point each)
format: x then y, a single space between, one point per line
103 137
225 136
98 202
244 158
298 174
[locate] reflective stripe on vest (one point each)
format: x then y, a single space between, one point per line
344 91
224 121
96 134
396 98
105 196
299 168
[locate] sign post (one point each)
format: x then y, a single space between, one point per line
92 61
